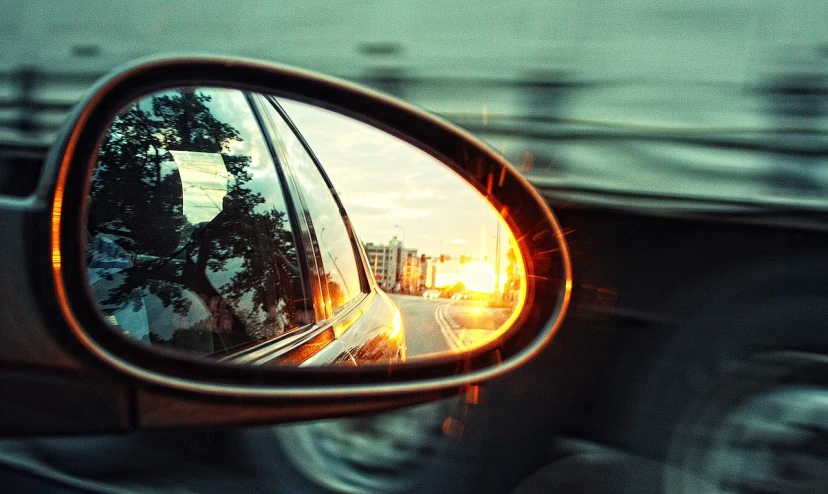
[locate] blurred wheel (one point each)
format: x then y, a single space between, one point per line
384 453
764 428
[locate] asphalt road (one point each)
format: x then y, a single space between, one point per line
438 325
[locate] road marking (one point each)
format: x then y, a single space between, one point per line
449 335
456 337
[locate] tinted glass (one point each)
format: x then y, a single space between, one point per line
189 239
341 275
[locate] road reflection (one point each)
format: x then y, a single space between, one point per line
440 325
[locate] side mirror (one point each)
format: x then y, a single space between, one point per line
219 243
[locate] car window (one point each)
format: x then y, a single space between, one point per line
190 243
339 262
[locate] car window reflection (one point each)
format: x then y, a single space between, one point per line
341 275
189 241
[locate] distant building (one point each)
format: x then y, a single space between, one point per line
396 268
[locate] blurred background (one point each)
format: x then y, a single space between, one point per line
695 99
691 105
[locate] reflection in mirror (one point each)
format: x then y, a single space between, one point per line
240 227
433 243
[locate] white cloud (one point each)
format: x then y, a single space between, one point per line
383 181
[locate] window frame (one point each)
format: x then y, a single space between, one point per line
294 345
365 283
299 344
303 241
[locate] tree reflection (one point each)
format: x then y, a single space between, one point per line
241 265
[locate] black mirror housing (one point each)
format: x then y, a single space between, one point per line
59 331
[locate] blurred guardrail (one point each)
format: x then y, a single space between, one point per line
762 141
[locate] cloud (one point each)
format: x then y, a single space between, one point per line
384 181
415 194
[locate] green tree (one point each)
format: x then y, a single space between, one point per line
136 194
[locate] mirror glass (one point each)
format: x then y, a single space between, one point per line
258 230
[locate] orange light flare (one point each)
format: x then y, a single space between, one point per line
528 162
477 274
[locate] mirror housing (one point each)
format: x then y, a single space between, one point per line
151 388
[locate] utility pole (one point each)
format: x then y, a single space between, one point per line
401 262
